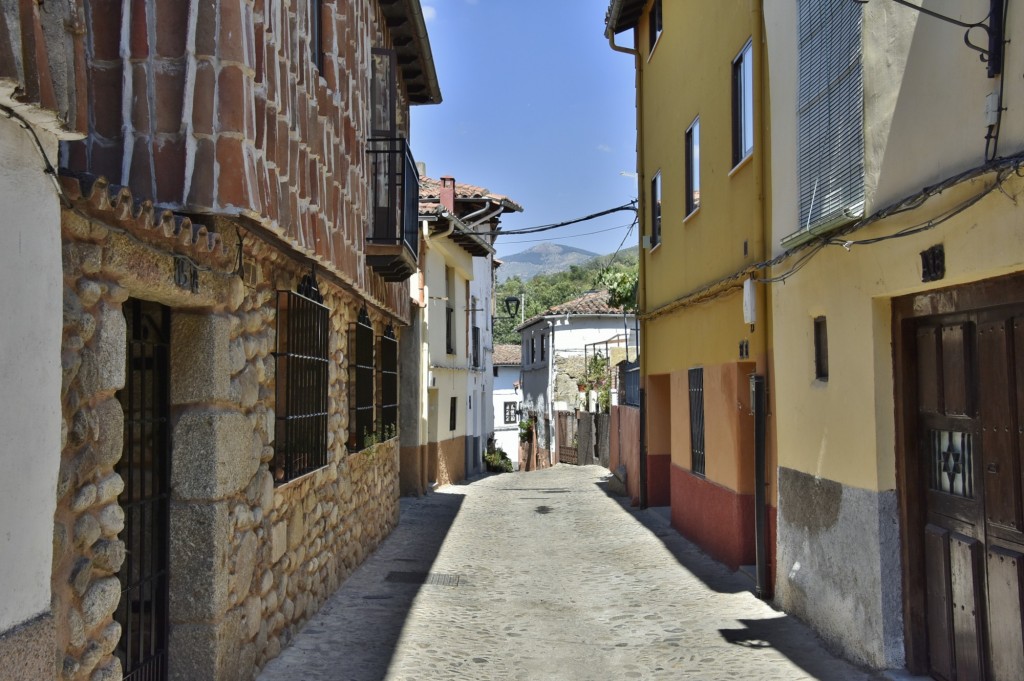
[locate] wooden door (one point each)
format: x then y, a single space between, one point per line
969 373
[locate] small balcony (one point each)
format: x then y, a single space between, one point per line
392 245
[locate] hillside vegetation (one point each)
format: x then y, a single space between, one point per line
543 291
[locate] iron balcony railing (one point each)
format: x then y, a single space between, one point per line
395 188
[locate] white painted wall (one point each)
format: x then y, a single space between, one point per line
506 436
566 335
30 337
481 290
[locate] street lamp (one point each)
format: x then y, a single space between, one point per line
512 304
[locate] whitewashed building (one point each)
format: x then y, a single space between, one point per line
555 348
507 398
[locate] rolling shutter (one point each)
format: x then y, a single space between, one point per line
830 112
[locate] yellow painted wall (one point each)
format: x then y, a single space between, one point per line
689 73
924 121
844 429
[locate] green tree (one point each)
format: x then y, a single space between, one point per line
618 273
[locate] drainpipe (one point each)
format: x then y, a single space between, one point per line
485 218
757 403
551 383
451 228
641 288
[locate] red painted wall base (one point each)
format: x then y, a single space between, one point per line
658 483
715 518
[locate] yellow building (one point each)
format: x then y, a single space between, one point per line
899 329
702 165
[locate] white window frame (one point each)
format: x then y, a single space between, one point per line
656 194
655 26
692 164
743 104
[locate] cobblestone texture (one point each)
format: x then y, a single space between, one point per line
543 576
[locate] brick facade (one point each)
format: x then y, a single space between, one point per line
218 107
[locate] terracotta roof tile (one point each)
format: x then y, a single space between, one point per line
590 303
430 190
508 355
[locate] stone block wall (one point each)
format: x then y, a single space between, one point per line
250 562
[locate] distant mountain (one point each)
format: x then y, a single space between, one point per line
541 259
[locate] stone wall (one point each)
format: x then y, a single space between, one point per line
249 561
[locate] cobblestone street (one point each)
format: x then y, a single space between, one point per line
543 576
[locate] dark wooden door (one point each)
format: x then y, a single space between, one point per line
970 370
145 469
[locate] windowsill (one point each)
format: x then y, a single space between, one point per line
280 485
802 236
693 213
650 55
744 162
655 247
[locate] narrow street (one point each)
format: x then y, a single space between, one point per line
543 576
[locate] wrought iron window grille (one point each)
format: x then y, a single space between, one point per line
697 455
302 356
388 384
362 375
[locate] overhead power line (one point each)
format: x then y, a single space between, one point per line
555 225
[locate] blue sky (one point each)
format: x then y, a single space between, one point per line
536 107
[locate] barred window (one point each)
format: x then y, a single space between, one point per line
388 384
697 459
300 429
362 372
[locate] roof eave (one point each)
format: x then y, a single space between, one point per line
412 44
623 15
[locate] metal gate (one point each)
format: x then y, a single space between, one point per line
145 469
565 422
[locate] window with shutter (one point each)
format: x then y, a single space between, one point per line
830 115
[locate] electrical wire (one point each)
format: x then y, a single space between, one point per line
1003 167
48 168
566 238
555 225
68 204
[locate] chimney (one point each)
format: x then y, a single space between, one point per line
421 168
448 193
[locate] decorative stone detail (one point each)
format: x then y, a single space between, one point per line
250 561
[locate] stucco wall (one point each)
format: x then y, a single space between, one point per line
924 103
830 538
730 215
30 305
506 435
